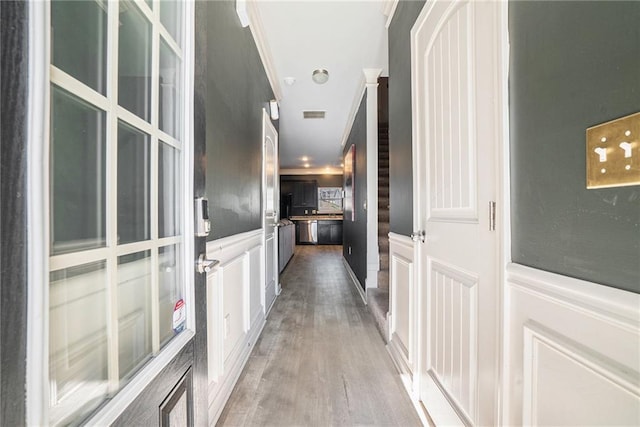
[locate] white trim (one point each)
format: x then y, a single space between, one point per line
503 220
355 281
354 109
312 171
373 257
389 11
37 403
187 150
614 306
259 36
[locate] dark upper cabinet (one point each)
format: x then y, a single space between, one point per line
305 194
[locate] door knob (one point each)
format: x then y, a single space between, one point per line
204 265
419 236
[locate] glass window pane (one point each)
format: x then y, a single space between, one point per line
171 17
134 312
79 40
77 174
169 200
170 293
134 61
133 185
170 94
77 341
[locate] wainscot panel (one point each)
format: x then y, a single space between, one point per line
402 314
572 351
236 311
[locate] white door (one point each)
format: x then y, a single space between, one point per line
270 204
455 48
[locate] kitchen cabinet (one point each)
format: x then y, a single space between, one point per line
305 194
329 232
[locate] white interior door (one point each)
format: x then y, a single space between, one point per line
270 204
455 49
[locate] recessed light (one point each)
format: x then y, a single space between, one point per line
306 165
304 158
320 76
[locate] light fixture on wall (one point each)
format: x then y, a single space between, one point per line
320 76
273 109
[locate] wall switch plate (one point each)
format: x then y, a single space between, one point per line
613 153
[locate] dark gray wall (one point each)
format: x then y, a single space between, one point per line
573 65
400 163
355 233
237 90
13 211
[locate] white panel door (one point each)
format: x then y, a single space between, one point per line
270 204
455 48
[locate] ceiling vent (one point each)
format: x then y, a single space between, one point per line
313 114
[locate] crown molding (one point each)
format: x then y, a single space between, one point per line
389 10
259 36
354 109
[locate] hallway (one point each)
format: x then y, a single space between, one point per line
320 359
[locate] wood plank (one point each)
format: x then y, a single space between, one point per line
320 359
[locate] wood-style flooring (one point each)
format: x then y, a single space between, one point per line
320 360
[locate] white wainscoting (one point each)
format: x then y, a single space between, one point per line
571 351
235 311
402 306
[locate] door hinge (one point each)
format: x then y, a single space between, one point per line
492 216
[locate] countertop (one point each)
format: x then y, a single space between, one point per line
333 217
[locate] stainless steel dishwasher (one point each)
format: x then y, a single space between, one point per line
308 231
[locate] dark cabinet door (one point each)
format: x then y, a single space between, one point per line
324 233
329 232
336 234
310 194
305 194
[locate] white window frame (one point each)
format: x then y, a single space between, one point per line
41 75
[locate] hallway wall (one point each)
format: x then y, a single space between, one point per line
568 74
400 170
355 232
237 89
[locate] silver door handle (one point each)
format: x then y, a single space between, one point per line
204 265
419 236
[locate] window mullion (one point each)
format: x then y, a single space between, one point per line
112 195
155 93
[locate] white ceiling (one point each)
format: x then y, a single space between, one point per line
343 37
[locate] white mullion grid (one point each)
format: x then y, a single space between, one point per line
133 120
168 241
155 94
112 195
165 137
145 9
75 87
131 248
168 39
60 262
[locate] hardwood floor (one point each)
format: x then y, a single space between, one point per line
320 359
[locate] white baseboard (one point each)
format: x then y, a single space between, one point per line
355 281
